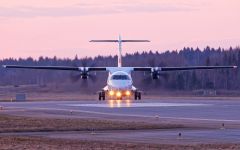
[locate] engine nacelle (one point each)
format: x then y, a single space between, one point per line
155 74
84 75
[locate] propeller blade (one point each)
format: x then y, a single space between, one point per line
157 83
75 77
165 76
84 83
84 75
84 62
92 77
146 80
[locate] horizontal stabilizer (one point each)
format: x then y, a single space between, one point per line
135 41
119 41
103 41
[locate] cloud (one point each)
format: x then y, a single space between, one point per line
83 9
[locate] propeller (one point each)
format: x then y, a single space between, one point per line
155 75
84 74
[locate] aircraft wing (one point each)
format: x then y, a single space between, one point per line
69 68
195 68
181 68
128 69
43 67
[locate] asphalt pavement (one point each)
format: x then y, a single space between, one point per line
219 119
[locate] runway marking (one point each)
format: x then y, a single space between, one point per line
133 115
121 104
200 119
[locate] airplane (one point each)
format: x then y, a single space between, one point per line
119 82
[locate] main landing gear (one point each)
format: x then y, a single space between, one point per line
101 96
137 95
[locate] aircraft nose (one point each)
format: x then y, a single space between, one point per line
121 85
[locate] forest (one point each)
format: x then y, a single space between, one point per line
227 79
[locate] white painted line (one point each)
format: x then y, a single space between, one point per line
125 104
201 119
133 115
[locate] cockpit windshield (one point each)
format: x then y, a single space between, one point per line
120 77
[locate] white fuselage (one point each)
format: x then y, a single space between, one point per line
119 84
119 81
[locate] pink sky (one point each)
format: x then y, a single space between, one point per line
63 28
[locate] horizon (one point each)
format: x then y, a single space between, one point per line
115 55
64 29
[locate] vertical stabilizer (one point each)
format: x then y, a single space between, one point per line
119 51
119 41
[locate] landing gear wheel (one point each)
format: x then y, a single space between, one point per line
139 96
101 96
136 95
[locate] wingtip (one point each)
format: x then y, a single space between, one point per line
235 67
4 66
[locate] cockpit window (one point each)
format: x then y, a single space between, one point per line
120 77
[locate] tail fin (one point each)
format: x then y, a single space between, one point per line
119 41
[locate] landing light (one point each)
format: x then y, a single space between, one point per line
111 93
128 93
119 94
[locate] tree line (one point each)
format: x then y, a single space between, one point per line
228 79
